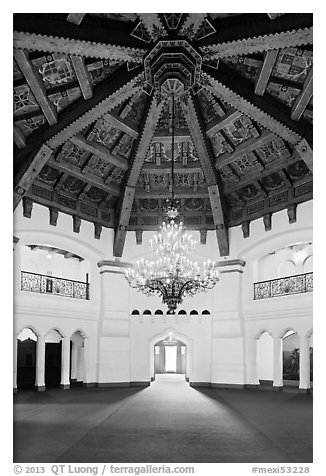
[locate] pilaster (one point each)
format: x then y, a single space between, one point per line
278 364
40 364
304 365
228 343
114 351
65 363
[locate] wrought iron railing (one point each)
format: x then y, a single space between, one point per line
300 283
39 283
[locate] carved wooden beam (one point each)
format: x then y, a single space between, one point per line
152 115
178 193
258 44
235 90
68 46
76 18
122 124
153 25
265 72
83 76
91 179
19 138
244 148
304 152
100 151
29 172
190 107
191 168
303 99
192 24
221 123
37 86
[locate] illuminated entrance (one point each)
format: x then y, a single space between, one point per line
170 356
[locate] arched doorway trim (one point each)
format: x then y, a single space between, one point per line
177 336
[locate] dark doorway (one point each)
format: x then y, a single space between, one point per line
26 364
52 364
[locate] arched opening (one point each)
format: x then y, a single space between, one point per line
147 312
182 311
205 312
170 356
291 358
194 313
158 312
53 352
265 358
77 359
135 312
26 359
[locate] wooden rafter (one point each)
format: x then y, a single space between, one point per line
153 24
190 107
76 18
150 168
265 72
36 85
254 33
19 138
91 179
179 193
258 44
68 46
100 151
29 172
221 123
234 89
122 124
92 30
83 76
142 145
303 99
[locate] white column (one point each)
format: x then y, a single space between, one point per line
15 349
74 356
80 364
251 351
278 363
304 365
65 363
86 362
40 364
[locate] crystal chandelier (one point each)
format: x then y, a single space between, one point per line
172 275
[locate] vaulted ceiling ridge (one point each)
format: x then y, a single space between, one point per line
109 103
247 108
89 49
258 44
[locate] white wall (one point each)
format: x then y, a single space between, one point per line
223 344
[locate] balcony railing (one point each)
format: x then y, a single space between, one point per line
39 283
300 283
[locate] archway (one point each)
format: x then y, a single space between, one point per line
176 336
53 359
170 356
265 358
291 358
77 358
26 359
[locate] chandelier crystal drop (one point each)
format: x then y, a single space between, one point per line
172 275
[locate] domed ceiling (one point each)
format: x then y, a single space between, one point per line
92 118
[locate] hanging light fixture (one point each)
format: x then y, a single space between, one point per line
172 275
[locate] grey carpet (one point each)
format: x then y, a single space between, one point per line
167 422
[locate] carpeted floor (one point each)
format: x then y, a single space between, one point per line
166 422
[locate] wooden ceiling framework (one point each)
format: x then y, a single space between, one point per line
92 135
